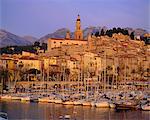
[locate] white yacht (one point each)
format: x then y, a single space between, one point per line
78 102
86 103
3 116
102 103
44 99
146 107
25 98
58 101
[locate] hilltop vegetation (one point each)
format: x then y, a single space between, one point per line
18 49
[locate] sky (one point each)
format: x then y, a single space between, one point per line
40 17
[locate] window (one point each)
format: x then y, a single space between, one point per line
54 42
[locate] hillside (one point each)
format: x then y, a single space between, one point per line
30 38
9 39
60 33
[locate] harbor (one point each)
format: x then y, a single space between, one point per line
115 99
75 60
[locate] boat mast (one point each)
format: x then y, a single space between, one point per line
105 62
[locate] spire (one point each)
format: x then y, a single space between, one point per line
78 18
68 34
78 31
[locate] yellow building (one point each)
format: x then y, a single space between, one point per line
78 39
24 53
30 63
8 63
73 65
92 62
49 61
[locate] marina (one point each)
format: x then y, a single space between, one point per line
75 60
131 100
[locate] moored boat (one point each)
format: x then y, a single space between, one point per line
77 102
6 97
27 98
102 104
44 99
112 105
126 107
146 107
16 98
3 116
68 103
86 103
93 103
58 101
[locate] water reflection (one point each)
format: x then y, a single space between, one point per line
50 111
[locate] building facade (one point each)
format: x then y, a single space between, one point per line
78 38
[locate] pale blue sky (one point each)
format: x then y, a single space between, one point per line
39 17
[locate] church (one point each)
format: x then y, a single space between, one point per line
78 38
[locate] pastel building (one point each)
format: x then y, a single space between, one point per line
30 63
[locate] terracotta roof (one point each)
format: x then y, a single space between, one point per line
28 58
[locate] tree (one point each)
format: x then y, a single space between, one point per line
125 32
114 30
37 44
132 35
102 32
97 34
145 39
4 77
44 46
119 30
109 33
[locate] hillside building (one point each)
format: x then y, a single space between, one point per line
78 38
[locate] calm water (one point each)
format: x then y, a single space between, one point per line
49 111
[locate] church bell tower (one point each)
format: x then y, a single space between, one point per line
78 32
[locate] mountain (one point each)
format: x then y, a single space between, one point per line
61 33
89 30
9 39
30 38
137 32
140 32
93 30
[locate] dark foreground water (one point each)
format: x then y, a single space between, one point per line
49 111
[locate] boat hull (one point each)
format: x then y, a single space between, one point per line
102 105
126 107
